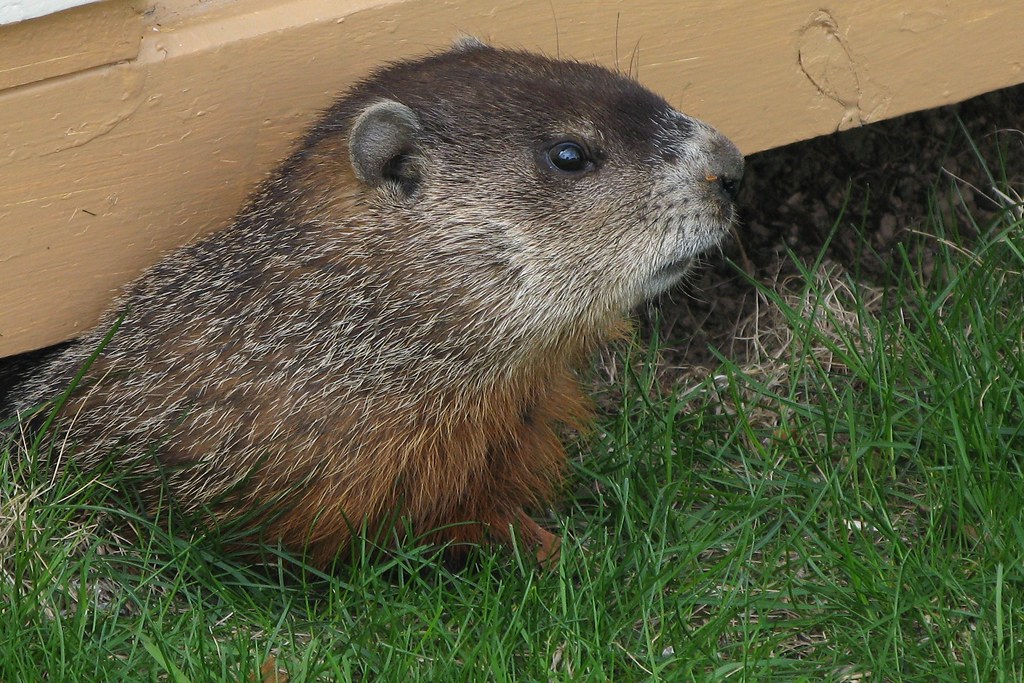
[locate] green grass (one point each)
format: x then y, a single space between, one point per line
852 510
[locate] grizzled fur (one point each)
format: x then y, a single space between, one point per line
372 341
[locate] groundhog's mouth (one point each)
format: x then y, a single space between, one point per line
676 268
666 277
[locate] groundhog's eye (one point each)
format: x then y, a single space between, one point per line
569 157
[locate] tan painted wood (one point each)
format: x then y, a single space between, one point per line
69 41
102 171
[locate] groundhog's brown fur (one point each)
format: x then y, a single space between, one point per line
390 328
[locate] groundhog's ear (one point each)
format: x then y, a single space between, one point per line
382 144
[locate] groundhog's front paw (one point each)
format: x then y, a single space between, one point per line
547 546
549 551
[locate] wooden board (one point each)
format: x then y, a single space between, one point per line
83 37
106 168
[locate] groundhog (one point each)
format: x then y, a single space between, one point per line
387 336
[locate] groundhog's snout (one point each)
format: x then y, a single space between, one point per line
725 165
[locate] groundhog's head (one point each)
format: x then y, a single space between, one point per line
577 188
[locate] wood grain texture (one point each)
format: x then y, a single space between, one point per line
105 170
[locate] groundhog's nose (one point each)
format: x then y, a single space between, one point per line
726 165
730 185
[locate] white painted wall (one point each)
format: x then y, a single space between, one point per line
13 11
